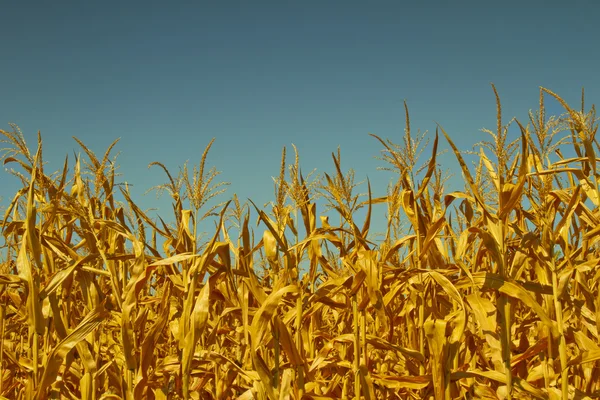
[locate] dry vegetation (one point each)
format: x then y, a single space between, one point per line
489 292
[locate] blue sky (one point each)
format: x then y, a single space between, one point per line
166 77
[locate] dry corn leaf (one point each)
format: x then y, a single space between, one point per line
57 356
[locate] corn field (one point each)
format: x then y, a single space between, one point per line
487 292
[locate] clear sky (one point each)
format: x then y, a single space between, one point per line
166 77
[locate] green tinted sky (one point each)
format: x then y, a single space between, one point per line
166 77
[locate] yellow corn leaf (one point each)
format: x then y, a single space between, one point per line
591 191
248 395
34 305
435 332
367 384
134 285
321 356
532 351
554 171
58 353
460 320
263 316
449 198
367 262
357 282
536 373
514 290
260 324
267 221
588 356
491 171
431 235
562 228
485 315
174 259
490 242
402 382
249 376
493 375
6 279
463 242
198 323
153 335
380 343
287 343
396 246
285 391
63 274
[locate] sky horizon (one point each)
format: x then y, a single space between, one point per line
166 79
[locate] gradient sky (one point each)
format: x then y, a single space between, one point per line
166 77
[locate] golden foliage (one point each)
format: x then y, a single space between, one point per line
490 292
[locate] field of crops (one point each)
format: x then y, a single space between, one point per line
487 292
